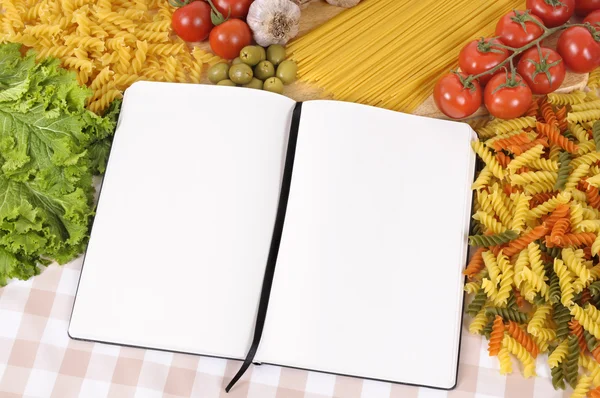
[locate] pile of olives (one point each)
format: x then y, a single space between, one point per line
256 68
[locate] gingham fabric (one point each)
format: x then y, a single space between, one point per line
38 359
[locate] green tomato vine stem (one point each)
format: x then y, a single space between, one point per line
518 51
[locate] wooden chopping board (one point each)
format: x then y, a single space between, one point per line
318 12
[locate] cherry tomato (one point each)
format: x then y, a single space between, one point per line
228 38
507 96
192 22
233 8
593 19
552 12
542 74
480 56
454 99
584 7
516 28
579 49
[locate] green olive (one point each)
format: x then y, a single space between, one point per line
286 71
255 83
264 70
263 53
240 74
250 55
276 54
274 85
218 72
236 61
226 82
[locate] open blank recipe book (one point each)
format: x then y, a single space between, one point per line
322 235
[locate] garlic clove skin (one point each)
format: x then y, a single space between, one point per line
343 3
273 21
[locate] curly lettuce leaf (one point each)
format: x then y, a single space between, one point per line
50 147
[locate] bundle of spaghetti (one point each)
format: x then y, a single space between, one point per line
374 53
108 44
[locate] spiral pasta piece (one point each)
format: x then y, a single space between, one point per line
538 319
556 137
496 337
573 98
505 361
561 118
478 322
525 158
573 260
514 124
577 331
558 378
585 320
593 312
584 116
560 229
532 177
535 281
523 338
515 246
594 79
522 355
476 264
548 113
544 164
488 159
559 354
565 281
577 239
507 314
501 210
550 205
594 181
582 387
503 141
576 176
520 149
492 240
521 212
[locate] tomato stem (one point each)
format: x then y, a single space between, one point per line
215 15
518 51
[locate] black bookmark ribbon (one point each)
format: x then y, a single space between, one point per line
274 249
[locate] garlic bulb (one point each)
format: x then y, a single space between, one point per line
273 21
343 3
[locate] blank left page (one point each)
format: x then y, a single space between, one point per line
185 217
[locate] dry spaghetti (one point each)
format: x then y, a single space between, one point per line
388 53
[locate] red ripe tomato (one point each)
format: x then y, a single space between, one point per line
192 22
542 74
516 28
233 8
228 38
454 99
579 49
507 96
593 19
480 56
552 12
584 7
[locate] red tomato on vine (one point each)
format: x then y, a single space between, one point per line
584 7
506 96
455 97
542 69
552 12
580 48
480 56
518 28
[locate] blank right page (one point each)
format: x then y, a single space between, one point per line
368 281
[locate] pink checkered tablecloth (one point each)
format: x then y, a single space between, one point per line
38 359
